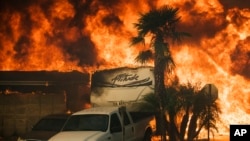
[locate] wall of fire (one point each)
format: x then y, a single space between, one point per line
22 104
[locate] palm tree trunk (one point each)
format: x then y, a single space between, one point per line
160 91
184 123
172 131
160 119
192 127
159 81
158 123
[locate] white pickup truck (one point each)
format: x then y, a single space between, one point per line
108 120
105 124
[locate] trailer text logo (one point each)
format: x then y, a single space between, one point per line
126 79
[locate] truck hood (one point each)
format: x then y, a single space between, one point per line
39 135
79 136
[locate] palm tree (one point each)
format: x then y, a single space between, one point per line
160 25
205 114
187 92
178 106
186 104
173 107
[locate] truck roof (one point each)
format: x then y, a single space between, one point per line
97 110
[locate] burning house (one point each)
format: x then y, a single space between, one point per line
26 96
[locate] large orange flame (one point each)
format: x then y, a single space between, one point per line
86 35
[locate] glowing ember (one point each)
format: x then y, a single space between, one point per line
86 35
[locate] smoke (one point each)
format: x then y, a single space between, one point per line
227 4
240 58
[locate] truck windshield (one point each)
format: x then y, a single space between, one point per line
90 122
49 124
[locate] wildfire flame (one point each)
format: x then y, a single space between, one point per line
86 35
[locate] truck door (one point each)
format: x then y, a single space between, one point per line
129 128
127 124
116 128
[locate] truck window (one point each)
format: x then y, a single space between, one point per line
115 125
49 124
126 119
90 122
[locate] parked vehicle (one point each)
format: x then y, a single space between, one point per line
106 124
114 94
45 128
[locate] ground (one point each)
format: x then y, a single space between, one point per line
217 138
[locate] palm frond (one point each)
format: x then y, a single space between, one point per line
149 103
136 40
178 36
169 63
156 18
144 56
169 14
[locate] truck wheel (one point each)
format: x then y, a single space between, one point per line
147 135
